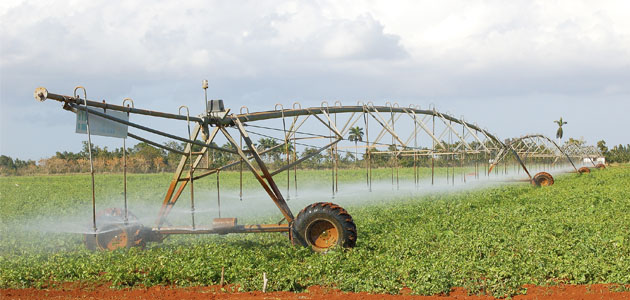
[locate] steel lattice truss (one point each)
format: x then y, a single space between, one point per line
538 146
582 151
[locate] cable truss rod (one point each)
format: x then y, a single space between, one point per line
231 164
139 138
286 167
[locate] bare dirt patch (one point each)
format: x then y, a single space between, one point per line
585 292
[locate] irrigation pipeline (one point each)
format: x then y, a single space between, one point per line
42 94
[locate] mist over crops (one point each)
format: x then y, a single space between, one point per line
48 210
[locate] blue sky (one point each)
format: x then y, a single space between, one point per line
511 66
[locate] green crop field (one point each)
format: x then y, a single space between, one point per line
490 240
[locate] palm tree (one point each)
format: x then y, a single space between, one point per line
356 135
268 143
559 132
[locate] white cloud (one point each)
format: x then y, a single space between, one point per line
144 38
279 50
362 38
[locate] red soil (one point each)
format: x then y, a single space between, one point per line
585 292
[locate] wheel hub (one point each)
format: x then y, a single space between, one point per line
114 239
323 234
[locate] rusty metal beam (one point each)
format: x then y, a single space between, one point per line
260 228
42 94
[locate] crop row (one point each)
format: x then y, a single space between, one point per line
491 240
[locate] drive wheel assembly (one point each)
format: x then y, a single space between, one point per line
324 225
600 166
542 179
113 232
584 170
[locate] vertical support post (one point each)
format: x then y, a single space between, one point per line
295 184
336 167
207 155
332 159
286 152
368 158
415 150
477 166
433 152
396 162
487 165
462 158
393 147
125 179
219 192
369 152
336 158
332 170
294 134
452 152
192 189
125 165
448 163
87 127
191 170
240 194
204 85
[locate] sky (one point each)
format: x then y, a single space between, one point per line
511 66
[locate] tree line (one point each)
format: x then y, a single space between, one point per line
145 158
618 154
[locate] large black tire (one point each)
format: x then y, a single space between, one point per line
542 179
113 233
322 226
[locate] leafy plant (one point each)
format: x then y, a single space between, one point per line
492 240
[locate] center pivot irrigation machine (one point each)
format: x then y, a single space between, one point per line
407 138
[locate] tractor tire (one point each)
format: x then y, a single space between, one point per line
584 170
322 226
113 233
542 179
600 166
